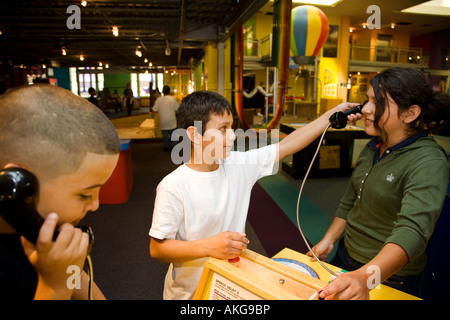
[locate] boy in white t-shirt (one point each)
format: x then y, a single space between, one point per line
201 207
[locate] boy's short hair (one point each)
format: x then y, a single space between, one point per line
50 130
198 106
166 90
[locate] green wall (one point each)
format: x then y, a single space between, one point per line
116 81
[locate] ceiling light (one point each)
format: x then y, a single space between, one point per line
167 51
138 52
115 31
434 7
81 58
318 2
84 3
63 51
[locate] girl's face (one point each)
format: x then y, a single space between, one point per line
390 121
71 196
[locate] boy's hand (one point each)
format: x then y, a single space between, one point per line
51 259
227 245
344 106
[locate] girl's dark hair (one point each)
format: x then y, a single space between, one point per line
198 106
407 87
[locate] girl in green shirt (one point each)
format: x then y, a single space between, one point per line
396 192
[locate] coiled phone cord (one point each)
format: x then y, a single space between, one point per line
91 276
298 203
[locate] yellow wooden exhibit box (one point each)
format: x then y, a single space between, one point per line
288 276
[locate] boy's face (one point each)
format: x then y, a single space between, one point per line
219 137
71 196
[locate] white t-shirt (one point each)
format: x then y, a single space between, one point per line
192 205
166 106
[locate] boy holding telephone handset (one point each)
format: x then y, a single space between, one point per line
71 148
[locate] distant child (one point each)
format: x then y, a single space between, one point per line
72 148
92 99
167 107
201 207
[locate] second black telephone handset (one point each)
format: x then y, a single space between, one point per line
19 190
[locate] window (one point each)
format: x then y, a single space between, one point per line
73 80
140 83
89 77
144 83
160 81
134 84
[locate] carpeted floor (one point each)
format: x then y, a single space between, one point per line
123 268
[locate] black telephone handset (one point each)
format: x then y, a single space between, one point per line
338 120
18 195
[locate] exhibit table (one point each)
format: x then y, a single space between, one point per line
119 186
303 262
136 127
289 275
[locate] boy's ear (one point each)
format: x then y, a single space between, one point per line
193 135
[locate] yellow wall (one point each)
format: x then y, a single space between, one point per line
360 85
333 72
227 84
368 38
263 25
210 69
210 72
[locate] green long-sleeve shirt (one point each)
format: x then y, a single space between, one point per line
396 200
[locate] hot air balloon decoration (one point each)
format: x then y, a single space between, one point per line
309 31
